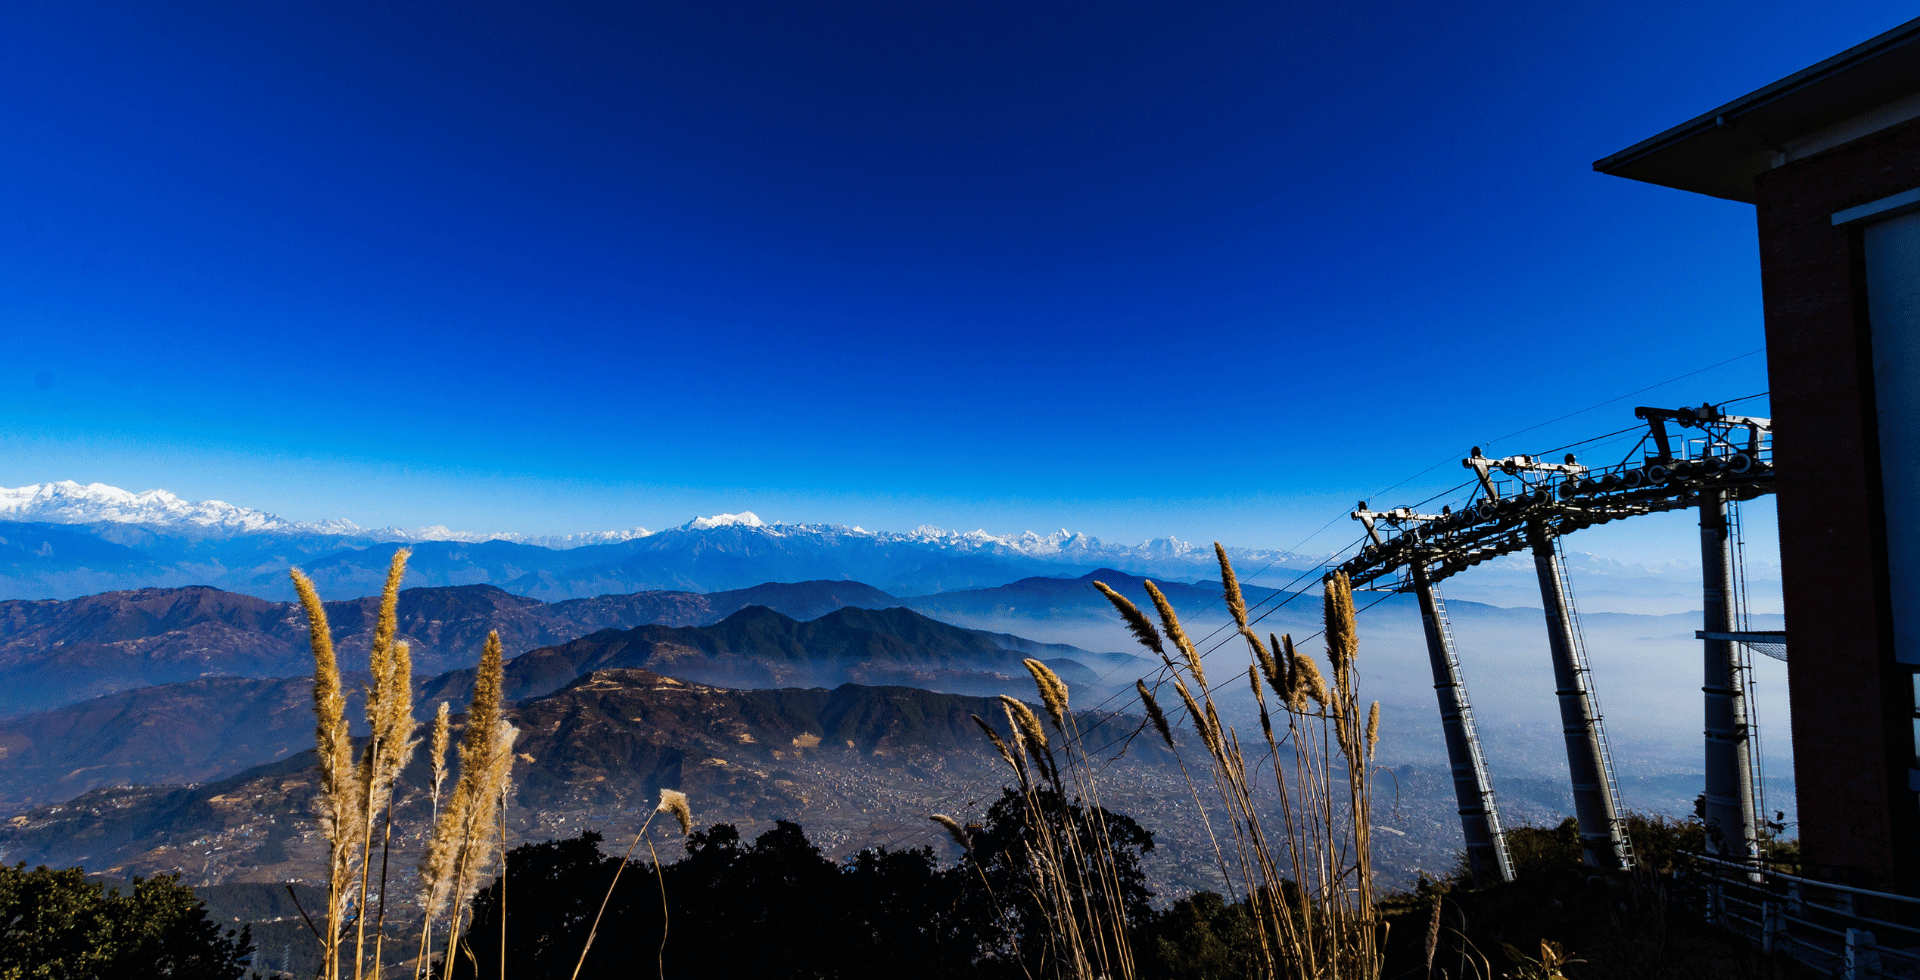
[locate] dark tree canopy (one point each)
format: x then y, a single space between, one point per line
56 925
776 907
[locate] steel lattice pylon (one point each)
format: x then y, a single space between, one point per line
1522 503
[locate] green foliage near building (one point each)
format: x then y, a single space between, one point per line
57 925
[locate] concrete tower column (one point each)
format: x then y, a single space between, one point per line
1602 834
1472 787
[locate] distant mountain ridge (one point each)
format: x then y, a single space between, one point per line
164 540
760 648
196 728
56 652
206 727
607 741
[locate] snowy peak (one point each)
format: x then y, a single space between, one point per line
745 518
68 502
558 542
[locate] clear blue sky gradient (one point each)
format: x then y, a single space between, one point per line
1209 270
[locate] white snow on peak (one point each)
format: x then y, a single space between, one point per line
745 518
68 502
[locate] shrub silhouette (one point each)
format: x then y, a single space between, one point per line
774 907
57 925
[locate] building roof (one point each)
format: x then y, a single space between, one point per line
1864 88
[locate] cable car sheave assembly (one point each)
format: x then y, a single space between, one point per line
1522 503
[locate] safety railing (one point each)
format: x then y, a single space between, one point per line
1843 931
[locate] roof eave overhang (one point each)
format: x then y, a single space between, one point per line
1720 152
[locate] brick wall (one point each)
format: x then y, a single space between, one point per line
1852 704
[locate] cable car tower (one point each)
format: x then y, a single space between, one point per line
1522 503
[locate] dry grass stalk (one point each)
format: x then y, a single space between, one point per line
1341 630
1284 653
1197 716
1053 691
1171 623
1433 932
1072 873
464 841
674 803
437 752
1373 730
1259 698
1154 714
1309 682
1276 674
337 805
1030 736
1000 744
1024 718
1137 621
1230 584
1309 886
391 745
954 830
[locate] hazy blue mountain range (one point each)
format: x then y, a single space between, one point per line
758 647
606 742
64 540
187 732
204 728
55 652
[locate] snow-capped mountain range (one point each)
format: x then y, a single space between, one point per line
67 502
61 540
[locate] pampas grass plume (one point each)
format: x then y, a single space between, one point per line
329 708
954 830
674 802
1236 603
1137 621
1154 714
1053 691
437 750
998 742
1024 718
1309 681
1177 635
1200 721
1343 640
1373 730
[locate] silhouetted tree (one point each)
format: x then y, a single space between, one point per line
56 925
997 905
779 908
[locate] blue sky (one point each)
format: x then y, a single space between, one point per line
1209 270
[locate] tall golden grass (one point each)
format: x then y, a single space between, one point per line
465 841
1070 862
1301 860
357 790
